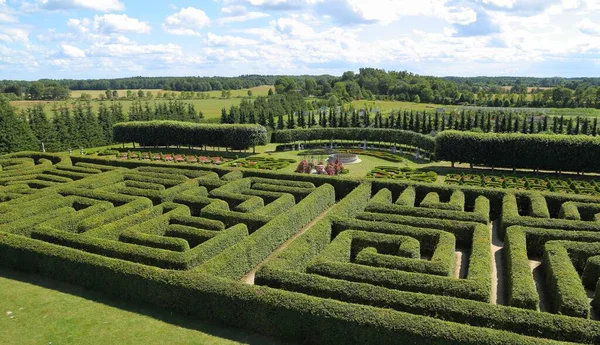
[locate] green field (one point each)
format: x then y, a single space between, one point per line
211 108
256 91
35 310
385 107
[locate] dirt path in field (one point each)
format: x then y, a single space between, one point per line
498 269
249 278
461 264
539 278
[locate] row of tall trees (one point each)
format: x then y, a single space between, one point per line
288 117
368 83
35 90
80 125
164 83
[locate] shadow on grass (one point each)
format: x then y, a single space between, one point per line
164 315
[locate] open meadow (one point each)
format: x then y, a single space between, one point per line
211 107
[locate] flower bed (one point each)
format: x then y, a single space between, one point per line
404 173
265 163
525 183
331 169
171 157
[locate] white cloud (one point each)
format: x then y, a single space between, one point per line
118 50
71 51
238 14
234 10
500 3
241 18
6 18
6 14
14 35
186 22
120 23
230 41
292 27
57 5
587 27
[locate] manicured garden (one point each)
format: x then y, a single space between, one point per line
296 245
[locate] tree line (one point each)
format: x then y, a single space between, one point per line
285 113
368 83
80 126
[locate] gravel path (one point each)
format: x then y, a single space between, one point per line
539 278
498 270
461 264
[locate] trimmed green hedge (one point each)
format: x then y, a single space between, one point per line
533 151
167 133
567 292
510 217
524 242
245 255
410 138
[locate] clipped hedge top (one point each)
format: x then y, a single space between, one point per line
535 151
370 134
189 133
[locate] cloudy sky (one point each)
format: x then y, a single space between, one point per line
118 38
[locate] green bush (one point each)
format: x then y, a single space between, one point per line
568 295
410 138
170 133
532 151
245 255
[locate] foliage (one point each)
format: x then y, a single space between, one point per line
424 142
567 186
166 133
403 173
15 135
519 151
266 163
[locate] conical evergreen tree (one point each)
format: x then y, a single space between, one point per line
224 117
106 122
42 128
15 134
271 121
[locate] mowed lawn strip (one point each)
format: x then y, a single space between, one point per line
35 310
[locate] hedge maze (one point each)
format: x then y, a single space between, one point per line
333 261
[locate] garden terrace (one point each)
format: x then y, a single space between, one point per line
334 260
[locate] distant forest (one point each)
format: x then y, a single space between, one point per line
368 83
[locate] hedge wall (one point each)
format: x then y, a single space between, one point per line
410 138
533 151
162 133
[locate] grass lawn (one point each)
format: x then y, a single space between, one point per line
387 106
35 310
358 170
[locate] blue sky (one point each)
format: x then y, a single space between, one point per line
120 38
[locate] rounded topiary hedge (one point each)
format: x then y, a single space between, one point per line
534 151
410 138
167 133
